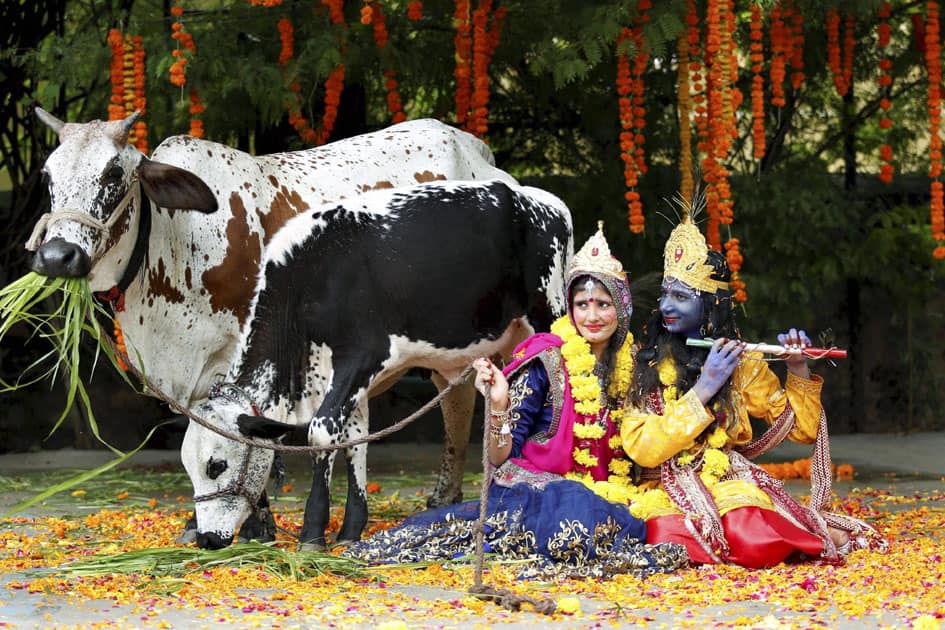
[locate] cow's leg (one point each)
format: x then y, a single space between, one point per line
318 505
349 386
356 510
457 408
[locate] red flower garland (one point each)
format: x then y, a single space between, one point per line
633 115
780 47
883 33
414 10
934 65
796 36
127 77
684 109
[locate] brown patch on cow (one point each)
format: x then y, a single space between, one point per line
160 285
286 205
427 176
377 186
118 229
231 283
188 278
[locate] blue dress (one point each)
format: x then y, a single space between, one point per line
556 528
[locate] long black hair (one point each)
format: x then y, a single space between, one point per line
718 320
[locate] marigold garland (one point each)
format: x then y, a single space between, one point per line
934 66
462 42
757 58
885 83
840 62
630 89
196 109
126 73
394 105
796 19
139 132
484 43
780 48
585 389
415 10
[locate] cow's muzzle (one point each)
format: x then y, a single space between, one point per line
212 540
58 258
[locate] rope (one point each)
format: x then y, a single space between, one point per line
501 597
288 448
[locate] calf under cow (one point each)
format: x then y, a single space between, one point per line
349 298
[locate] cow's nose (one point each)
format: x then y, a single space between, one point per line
211 540
58 258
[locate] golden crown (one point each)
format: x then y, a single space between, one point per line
595 258
684 258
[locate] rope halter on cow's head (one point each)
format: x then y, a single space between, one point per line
120 131
237 488
594 259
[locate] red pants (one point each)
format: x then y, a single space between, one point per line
756 537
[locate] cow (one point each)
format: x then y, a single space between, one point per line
349 298
177 237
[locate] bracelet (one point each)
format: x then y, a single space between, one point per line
500 434
501 416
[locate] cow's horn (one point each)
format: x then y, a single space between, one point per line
129 122
51 121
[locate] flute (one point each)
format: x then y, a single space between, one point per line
769 348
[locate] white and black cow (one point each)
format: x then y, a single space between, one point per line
351 297
180 235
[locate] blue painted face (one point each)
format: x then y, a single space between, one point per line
681 307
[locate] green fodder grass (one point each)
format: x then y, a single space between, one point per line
74 314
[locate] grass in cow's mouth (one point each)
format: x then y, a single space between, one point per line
74 313
180 561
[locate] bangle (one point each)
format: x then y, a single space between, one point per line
500 434
501 416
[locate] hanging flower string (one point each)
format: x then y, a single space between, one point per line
757 59
185 52
335 83
780 48
414 10
139 133
840 61
394 105
699 98
630 88
796 20
883 33
484 43
933 63
294 106
462 42
116 105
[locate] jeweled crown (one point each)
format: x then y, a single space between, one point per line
594 257
685 258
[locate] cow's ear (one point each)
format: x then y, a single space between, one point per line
173 187
262 427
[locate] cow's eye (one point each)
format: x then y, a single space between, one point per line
215 467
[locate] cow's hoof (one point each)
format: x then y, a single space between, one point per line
311 546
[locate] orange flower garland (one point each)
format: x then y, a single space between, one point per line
139 133
780 47
632 115
185 47
116 106
485 42
394 106
463 71
414 10
757 58
885 82
701 113
797 45
127 77
287 38
933 63
196 108
840 63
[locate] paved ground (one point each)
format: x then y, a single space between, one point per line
902 464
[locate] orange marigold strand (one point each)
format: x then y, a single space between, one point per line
463 71
934 67
885 81
757 58
414 10
684 109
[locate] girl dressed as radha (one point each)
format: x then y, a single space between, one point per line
558 499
